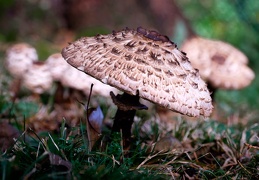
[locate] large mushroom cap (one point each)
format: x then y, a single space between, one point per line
38 78
219 63
143 62
19 57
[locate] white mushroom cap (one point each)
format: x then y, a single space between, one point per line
57 66
70 77
38 78
78 80
219 63
99 88
19 58
74 79
145 62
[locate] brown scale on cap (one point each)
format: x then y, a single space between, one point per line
154 35
146 62
218 59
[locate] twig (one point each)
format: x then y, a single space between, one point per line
87 108
88 102
147 159
249 146
44 146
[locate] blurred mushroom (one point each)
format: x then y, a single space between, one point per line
19 58
99 88
67 76
142 64
80 81
220 64
76 82
38 78
57 66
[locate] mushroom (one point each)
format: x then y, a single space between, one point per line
99 88
80 81
141 63
57 66
19 58
219 63
66 75
38 78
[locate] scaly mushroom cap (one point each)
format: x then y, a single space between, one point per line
57 66
219 63
146 62
19 58
38 78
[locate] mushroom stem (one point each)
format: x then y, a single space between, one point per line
127 105
59 93
15 88
123 121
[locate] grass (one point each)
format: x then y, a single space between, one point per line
209 150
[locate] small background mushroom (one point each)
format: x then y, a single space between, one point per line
78 80
18 59
56 66
38 78
220 64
